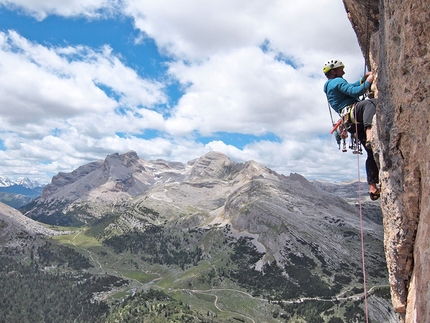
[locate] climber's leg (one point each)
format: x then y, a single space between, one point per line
371 166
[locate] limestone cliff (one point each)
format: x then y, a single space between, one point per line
399 43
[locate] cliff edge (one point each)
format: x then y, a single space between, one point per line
394 35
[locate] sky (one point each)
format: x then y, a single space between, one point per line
172 80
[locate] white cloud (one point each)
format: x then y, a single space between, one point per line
249 68
41 83
52 105
196 29
232 85
245 91
40 9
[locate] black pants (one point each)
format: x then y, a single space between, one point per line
364 112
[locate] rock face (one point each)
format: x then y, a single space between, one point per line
399 52
14 223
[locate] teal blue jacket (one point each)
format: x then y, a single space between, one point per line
340 93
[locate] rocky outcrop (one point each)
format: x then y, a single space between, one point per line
13 223
399 50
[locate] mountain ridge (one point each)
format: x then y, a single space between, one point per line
207 191
13 222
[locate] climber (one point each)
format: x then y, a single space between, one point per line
344 99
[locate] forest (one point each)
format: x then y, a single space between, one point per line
32 295
50 282
157 246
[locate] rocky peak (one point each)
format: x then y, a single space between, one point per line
28 183
14 222
120 167
129 159
252 168
213 165
302 180
62 180
5 182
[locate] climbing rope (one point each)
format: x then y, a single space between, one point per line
363 263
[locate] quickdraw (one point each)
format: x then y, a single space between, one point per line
355 145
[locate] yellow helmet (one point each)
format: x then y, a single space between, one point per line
332 64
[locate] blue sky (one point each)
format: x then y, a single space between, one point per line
80 80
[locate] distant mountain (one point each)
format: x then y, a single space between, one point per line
5 182
21 181
15 200
17 193
22 190
349 190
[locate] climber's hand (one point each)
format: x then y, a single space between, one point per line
370 77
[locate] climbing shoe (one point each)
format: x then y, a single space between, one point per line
375 195
368 145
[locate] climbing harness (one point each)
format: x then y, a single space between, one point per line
341 127
348 115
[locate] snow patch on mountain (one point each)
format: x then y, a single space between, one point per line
22 181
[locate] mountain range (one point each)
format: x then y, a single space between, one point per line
17 193
241 224
21 181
